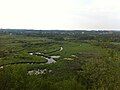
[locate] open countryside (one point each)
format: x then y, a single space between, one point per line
59 60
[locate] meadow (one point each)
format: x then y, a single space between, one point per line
83 63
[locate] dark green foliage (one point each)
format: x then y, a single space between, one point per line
89 60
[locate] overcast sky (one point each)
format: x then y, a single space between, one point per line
60 14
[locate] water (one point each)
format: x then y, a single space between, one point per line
55 56
50 60
61 48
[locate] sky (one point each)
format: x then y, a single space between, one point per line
60 14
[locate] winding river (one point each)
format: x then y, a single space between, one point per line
50 59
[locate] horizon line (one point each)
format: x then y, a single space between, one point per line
62 29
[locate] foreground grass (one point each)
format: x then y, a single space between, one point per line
101 74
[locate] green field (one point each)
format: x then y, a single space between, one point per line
81 66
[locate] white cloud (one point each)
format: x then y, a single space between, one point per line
60 14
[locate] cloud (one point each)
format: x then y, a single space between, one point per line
60 14
100 14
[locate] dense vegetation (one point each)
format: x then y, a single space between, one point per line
90 60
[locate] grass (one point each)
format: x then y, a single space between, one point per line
94 68
74 48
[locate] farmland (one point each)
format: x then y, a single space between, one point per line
59 60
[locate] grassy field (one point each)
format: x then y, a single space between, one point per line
81 66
